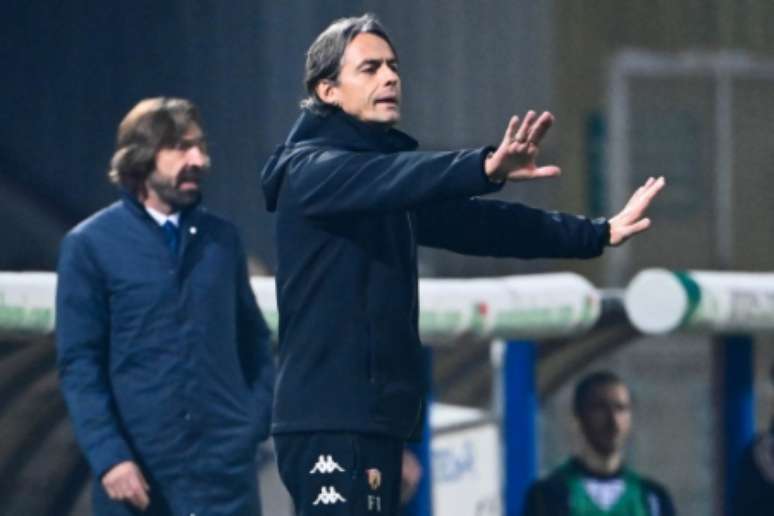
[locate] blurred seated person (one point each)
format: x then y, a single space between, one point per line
596 482
754 485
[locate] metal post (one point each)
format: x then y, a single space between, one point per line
735 368
519 420
422 502
618 160
724 167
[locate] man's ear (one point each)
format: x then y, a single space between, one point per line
328 91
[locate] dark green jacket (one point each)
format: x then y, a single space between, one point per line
559 494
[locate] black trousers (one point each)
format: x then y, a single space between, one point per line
341 474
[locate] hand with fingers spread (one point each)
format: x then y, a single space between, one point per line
630 221
124 482
514 159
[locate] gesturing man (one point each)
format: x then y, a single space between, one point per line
354 199
162 351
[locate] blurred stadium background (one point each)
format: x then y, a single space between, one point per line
680 88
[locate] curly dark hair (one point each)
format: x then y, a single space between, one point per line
151 125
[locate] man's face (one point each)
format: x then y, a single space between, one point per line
179 170
606 418
368 86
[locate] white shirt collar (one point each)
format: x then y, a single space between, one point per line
162 218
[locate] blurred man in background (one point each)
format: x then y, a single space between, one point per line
596 482
162 351
754 486
354 199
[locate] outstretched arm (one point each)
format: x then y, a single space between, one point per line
496 228
473 226
335 182
501 229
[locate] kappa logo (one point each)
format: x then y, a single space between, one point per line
326 464
329 496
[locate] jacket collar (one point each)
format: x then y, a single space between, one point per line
133 204
336 130
580 466
343 131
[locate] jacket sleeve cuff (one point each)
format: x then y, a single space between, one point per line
602 228
489 185
107 456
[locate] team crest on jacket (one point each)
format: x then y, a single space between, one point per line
374 478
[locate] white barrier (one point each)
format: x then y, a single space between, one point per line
27 301
510 307
659 301
539 305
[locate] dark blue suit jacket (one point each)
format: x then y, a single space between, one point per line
165 359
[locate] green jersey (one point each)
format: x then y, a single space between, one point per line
573 490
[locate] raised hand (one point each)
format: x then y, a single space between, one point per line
514 159
629 221
124 482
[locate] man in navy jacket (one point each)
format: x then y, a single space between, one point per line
163 353
354 199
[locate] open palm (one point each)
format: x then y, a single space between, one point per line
514 159
631 220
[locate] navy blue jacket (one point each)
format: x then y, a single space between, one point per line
165 359
353 201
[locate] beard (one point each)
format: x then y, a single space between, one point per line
169 191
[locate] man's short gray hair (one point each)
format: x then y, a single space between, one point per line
323 59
